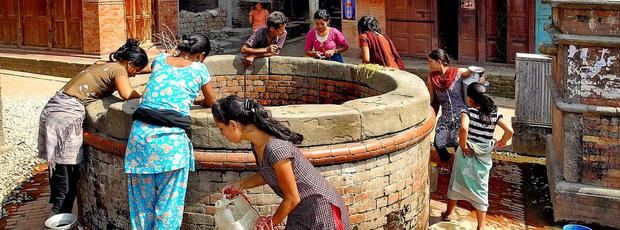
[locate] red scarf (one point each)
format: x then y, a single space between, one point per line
443 82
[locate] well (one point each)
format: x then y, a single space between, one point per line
367 134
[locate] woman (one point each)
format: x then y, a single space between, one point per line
258 17
159 153
446 90
375 47
308 201
60 126
324 42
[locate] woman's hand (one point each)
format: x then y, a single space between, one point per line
232 190
330 53
500 143
467 151
264 223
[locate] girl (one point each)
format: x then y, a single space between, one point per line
159 153
325 42
308 200
60 126
445 87
376 47
470 177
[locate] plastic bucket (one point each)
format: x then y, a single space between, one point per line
63 221
575 227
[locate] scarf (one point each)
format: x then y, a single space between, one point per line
443 82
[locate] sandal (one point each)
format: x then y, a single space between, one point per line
445 217
444 171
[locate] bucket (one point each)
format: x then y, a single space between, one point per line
575 227
476 73
62 221
433 176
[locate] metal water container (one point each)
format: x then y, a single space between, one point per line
477 73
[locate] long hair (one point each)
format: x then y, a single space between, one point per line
248 111
441 56
478 93
132 52
368 23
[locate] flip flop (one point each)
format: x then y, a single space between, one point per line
444 217
444 171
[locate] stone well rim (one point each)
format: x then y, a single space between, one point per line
402 104
318 156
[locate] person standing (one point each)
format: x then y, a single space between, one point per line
445 85
258 17
60 124
159 153
323 41
266 41
376 47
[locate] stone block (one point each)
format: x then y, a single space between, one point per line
96 112
389 113
118 118
529 140
336 71
292 66
201 120
321 124
233 65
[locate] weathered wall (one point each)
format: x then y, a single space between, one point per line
202 22
592 75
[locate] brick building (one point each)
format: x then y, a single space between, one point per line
83 26
583 156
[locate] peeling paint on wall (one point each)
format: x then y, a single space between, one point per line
593 73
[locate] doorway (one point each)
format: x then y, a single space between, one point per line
496 31
139 19
449 27
335 13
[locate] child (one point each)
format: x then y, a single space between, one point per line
470 174
308 200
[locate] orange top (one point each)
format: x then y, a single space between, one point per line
259 18
385 47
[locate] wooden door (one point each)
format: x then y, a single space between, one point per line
34 23
410 25
139 19
518 29
9 19
66 24
543 18
468 35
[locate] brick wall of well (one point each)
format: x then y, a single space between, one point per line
389 191
289 90
601 145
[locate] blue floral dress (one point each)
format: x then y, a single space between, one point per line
158 159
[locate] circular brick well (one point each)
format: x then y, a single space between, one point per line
368 134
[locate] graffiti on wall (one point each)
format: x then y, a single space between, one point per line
593 75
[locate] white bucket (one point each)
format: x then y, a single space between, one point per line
62 221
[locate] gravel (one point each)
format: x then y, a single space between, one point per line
21 125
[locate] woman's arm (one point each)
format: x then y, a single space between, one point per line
288 185
431 92
464 73
463 131
124 87
209 96
507 133
365 54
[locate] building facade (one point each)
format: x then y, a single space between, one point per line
83 26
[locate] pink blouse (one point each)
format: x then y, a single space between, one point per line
335 39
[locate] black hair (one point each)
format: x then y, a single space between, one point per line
478 93
368 23
248 111
276 19
321 14
195 44
132 52
441 56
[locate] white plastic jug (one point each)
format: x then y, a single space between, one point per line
234 214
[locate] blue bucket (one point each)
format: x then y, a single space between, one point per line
575 227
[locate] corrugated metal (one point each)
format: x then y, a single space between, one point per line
533 96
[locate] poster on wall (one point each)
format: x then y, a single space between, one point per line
468 4
348 9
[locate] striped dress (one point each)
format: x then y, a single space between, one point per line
478 132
